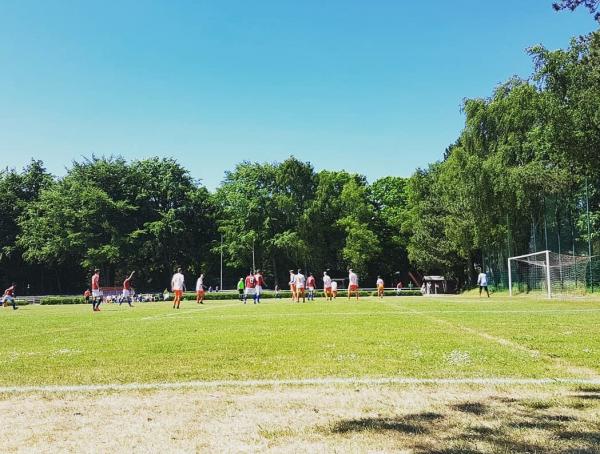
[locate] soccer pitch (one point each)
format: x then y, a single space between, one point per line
225 340
443 374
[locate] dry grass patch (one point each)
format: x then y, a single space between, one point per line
383 418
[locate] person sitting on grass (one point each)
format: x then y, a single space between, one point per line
9 296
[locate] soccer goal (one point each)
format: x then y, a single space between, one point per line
548 273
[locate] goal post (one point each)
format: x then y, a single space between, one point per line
527 258
549 273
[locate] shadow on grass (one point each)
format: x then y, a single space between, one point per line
408 424
472 427
475 408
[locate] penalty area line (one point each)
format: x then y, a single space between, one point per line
497 381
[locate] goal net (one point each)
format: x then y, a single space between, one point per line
548 273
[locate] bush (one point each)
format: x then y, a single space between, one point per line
269 294
51 300
219 296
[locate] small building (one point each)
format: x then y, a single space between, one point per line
435 284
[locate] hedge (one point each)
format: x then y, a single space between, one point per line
52 300
215 296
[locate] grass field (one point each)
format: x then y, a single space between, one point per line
225 340
442 338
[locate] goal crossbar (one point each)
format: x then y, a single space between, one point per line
545 269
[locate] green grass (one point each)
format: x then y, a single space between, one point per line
224 340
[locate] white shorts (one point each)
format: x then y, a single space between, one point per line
127 293
249 291
311 289
258 290
300 286
97 293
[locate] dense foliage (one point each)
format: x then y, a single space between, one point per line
519 170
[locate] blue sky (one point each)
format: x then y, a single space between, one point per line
371 87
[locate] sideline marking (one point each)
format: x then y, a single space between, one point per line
186 312
556 361
298 382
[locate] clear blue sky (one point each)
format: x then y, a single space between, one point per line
369 86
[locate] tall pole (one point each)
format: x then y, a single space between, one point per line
221 262
548 282
545 226
509 279
589 229
253 263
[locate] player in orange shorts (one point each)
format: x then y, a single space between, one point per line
334 288
380 287
177 287
300 286
327 286
293 285
353 286
200 290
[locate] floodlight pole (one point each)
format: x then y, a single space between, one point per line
548 274
589 231
221 263
253 263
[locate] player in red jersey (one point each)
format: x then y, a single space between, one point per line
96 291
127 290
250 287
260 283
310 285
9 296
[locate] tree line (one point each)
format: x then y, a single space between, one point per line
152 216
531 148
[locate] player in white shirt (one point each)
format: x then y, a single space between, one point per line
482 282
177 287
353 284
334 288
300 286
380 287
293 285
327 286
200 289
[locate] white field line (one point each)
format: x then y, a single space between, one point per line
395 313
188 312
557 362
494 381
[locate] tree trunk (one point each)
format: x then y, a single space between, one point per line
276 277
